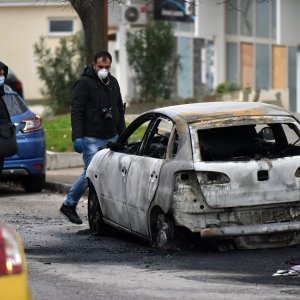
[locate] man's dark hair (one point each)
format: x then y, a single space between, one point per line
104 55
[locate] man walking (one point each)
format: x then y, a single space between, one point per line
97 116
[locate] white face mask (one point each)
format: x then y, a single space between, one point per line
2 79
102 73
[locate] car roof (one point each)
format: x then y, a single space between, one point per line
218 110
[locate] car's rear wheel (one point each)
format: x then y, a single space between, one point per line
164 231
95 217
34 183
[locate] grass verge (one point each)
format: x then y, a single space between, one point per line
59 133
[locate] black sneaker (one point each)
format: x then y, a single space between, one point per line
70 213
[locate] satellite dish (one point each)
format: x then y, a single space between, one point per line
132 14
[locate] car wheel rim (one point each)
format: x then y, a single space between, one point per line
164 231
94 214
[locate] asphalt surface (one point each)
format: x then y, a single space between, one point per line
66 262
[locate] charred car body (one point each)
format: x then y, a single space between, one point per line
222 170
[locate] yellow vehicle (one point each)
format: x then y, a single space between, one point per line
13 270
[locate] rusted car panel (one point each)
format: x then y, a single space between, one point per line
141 185
247 187
222 170
250 230
192 113
110 185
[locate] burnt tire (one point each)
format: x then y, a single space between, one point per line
164 231
95 217
34 183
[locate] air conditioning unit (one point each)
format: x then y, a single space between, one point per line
135 14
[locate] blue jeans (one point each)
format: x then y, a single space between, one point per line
79 187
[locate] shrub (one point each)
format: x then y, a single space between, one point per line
59 69
227 87
151 53
58 133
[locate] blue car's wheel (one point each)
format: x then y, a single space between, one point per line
34 183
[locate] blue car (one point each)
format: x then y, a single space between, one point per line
29 164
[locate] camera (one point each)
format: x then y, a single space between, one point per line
106 113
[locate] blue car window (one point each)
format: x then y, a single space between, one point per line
14 105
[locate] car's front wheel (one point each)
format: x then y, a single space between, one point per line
95 217
34 183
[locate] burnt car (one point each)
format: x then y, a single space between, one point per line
227 170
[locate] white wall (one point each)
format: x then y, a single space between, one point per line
211 25
26 25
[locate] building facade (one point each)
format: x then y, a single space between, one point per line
25 21
255 45
251 43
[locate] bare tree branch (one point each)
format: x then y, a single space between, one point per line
231 5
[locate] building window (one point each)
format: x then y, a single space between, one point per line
274 23
232 18
262 19
292 76
231 60
262 67
61 27
251 18
247 17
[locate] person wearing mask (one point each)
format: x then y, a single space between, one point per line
97 117
4 114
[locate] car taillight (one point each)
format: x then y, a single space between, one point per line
10 253
33 124
209 177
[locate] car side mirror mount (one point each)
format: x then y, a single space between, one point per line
114 146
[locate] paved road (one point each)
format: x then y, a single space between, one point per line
66 262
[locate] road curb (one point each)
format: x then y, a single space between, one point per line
61 188
63 160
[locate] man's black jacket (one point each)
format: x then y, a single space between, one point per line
90 97
4 115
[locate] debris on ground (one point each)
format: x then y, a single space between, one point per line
286 273
294 269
